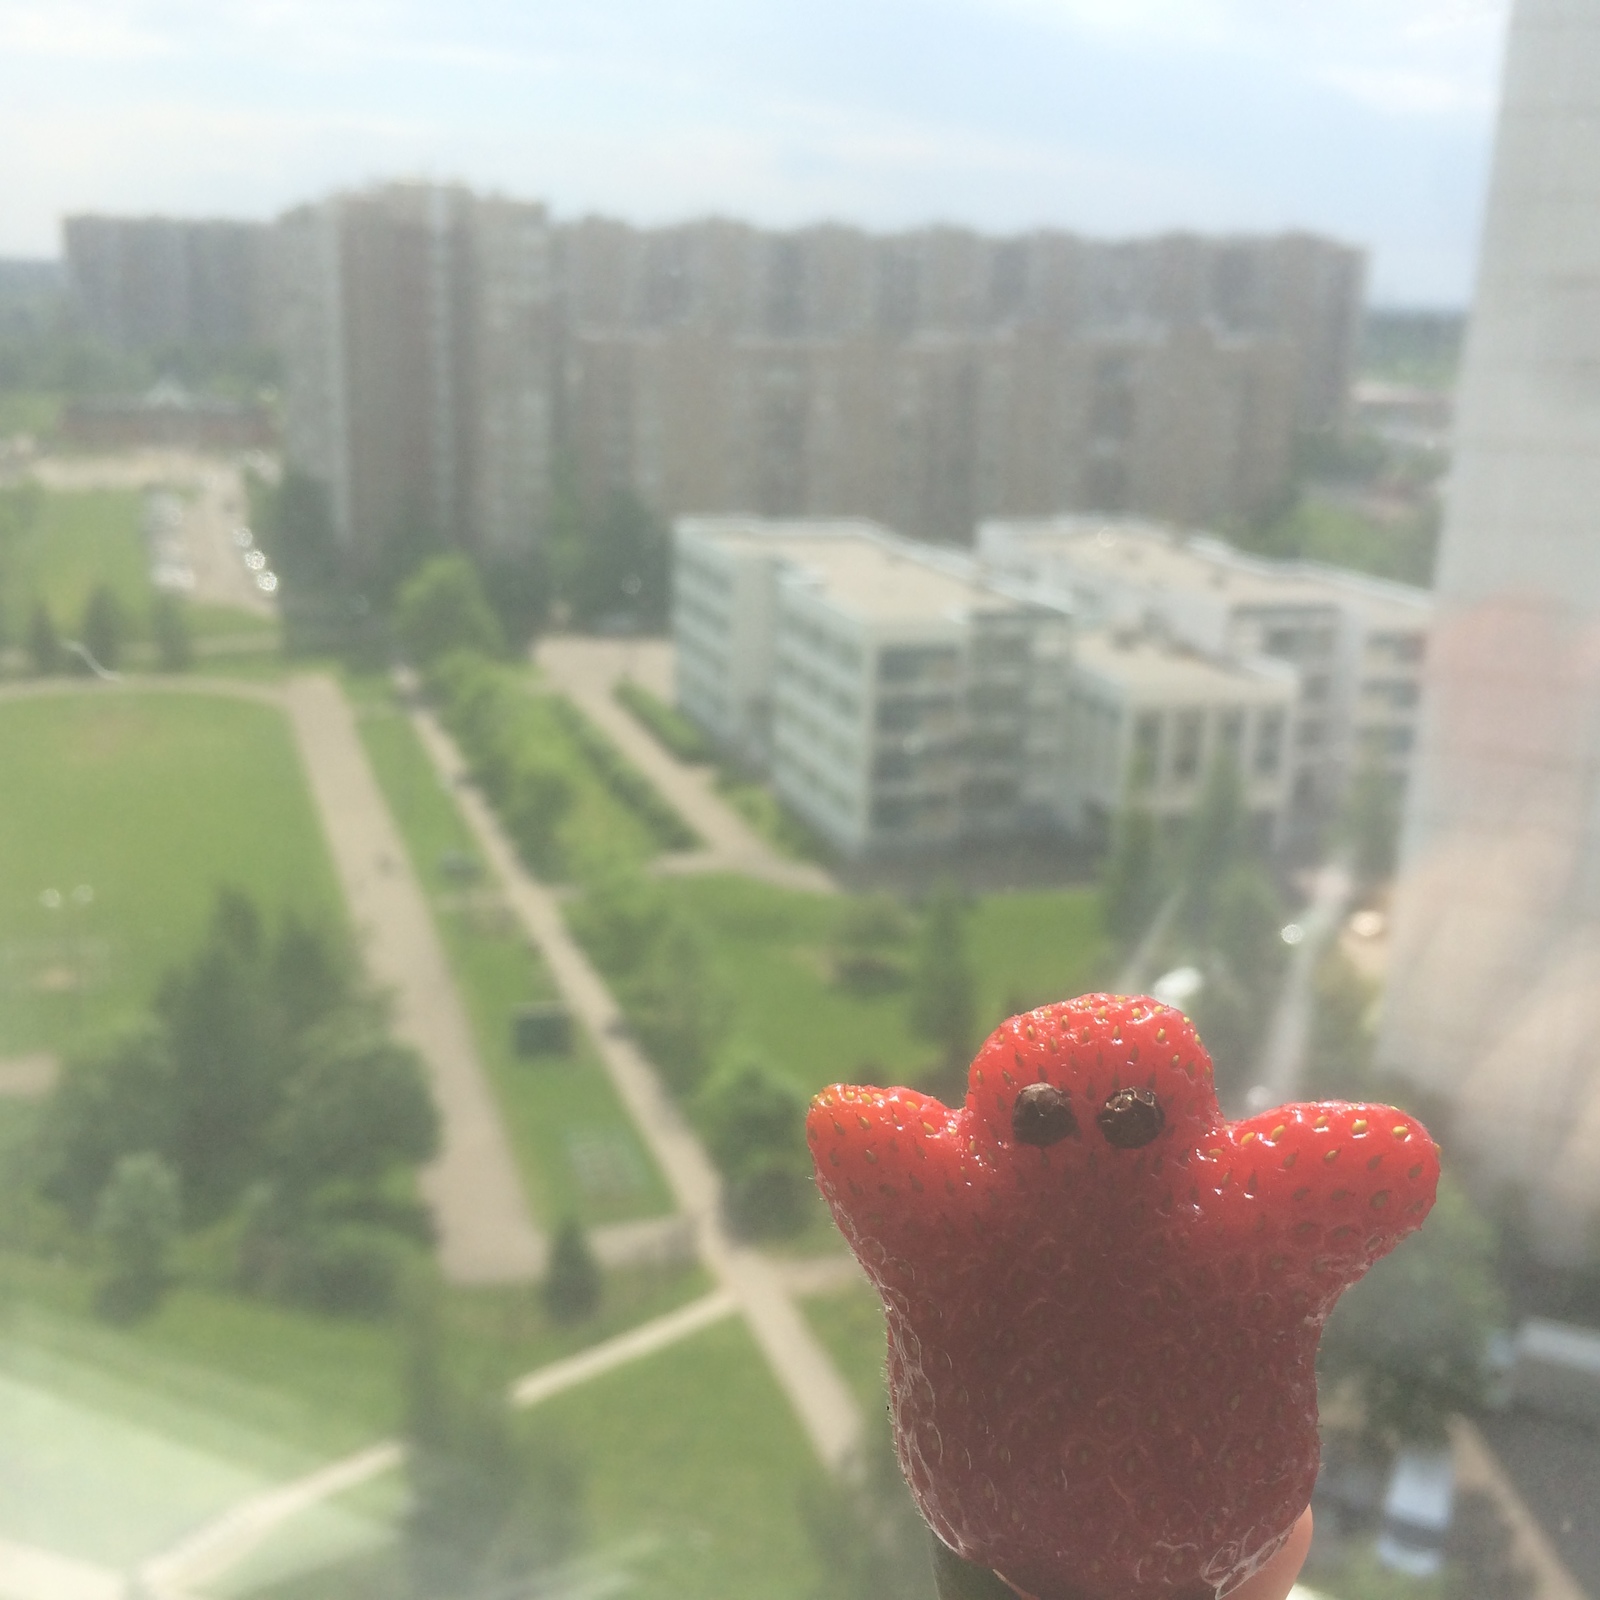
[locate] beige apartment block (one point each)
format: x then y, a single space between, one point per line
416 324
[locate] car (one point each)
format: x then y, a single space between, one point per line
1417 1510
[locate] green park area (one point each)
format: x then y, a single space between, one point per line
58 547
123 815
578 1152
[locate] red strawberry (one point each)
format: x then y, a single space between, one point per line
1103 1299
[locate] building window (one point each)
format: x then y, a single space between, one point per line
1230 736
1269 743
1146 749
1188 735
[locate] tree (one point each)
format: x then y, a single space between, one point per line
1218 836
115 1098
356 1107
943 984
1243 965
485 1510
541 795
866 1533
104 626
1131 886
754 1120
299 529
677 1005
137 1221
867 941
518 587
572 1284
1371 823
612 560
442 608
1412 1334
169 621
44 643
232 1059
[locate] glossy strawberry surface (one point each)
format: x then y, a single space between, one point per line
1103 1299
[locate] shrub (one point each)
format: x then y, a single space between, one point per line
572 1286
623 780
137 1220
169 621
105 627
671 728
754 1119
442 609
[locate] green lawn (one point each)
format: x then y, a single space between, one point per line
576 1148
850 1326
695 1469
28 411
772 950
127 811
84 538
698 1451
81 539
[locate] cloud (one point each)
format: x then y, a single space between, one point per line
1404 58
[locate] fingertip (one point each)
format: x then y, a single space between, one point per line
1277 1578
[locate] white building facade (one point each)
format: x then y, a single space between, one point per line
1355 645
900 697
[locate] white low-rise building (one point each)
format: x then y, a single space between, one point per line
901 696
1148 719
1355 643
896 701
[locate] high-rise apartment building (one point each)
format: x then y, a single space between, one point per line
441 348
144 282
931 379
416 326
1493 997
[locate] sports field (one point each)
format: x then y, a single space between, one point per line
122 814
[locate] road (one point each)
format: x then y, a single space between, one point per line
1283 1053
587 671
486 1234
819 1396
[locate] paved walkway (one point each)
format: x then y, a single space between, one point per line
215 1549
486 1234
28 1573
820 1397
587 671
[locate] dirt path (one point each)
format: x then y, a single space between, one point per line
486 1234
587 671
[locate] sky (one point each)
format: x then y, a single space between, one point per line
1371 120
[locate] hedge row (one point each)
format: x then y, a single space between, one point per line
534 756
624 781
670 728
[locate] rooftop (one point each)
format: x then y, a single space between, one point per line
861 568
1154 556
1148 665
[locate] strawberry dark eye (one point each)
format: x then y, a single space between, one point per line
1042 1116
1131 1118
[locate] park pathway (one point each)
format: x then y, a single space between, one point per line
215 1549
587 671
818 1394
486 1234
